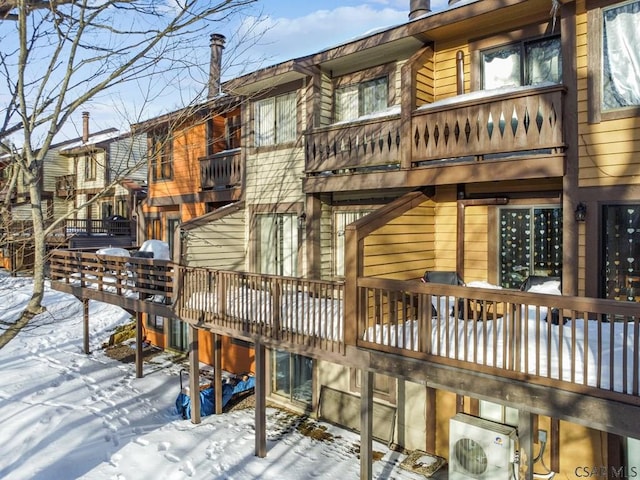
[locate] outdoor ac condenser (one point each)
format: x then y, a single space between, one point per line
480 449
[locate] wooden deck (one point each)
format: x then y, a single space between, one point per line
503 347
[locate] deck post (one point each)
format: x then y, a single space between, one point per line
366 426
194 374
85 325
217 372
139 341
261 401
525 439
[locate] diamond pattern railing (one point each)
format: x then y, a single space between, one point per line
522 120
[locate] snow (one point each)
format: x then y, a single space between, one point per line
159 249
67 415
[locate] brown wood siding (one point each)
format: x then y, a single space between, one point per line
403 248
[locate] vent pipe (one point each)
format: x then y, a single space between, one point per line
85 127
215 65
418 8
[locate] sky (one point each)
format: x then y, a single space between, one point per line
266 33
66 415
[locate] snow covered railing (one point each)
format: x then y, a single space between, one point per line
288 309
143 278
575 343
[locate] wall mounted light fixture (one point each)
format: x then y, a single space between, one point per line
302 220
581 212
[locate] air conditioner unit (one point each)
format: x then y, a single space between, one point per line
480 449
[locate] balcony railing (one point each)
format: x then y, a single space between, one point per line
131 277
370 144
575 343
221 170
526 119
294 310
83 226
65 186
519 121
578 344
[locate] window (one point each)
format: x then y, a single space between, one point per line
620 56
172 226
384 387
90 166
341 220
357 100
161 156
498 413
530 244
278 244
292 376
524 63
232 132
155 322
275 120
178 335
622 252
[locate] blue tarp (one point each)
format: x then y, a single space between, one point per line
207 397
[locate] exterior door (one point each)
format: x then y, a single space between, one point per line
278 244
621 254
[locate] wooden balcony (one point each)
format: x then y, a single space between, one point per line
297 312
513 122
359 146
584 346
136 284
222 170
65 186
476 126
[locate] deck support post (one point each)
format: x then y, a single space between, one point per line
525 439
194 374
139 341
85 326
431 426
366 426
261 401
217 372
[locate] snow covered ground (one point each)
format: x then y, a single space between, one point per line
66 415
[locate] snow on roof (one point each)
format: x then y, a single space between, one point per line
95 139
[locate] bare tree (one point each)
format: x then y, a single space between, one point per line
59 55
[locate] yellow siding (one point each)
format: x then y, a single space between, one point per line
404 248
609 149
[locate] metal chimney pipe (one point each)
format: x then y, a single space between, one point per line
85 127
419 7
215 65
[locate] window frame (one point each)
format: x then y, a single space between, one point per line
161 150
596 113
156 322
529 32
90 166
277 129
521 48
362 77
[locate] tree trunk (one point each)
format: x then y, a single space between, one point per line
35 304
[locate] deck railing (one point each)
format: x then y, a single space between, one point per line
83 226
359 145
579 344
294 310
221 170
522 120
574 343
132 277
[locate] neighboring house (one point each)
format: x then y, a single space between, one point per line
107 175
493 139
